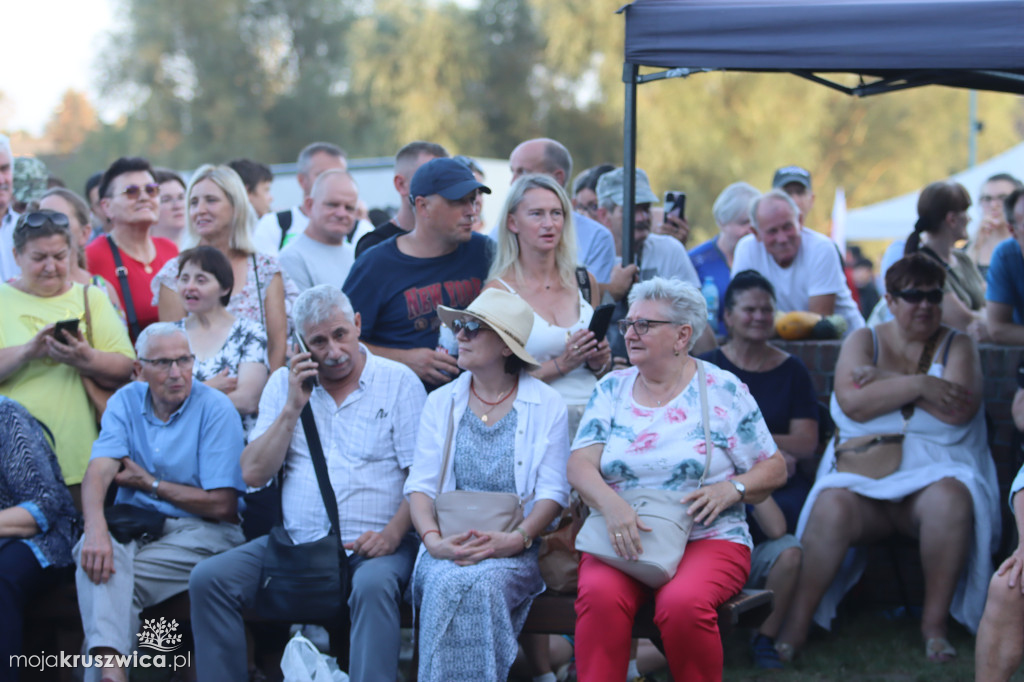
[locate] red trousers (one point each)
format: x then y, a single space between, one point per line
685 611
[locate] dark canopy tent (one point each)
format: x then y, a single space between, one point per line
890 44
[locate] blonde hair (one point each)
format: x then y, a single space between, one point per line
507 256
243 216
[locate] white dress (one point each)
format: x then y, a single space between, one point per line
932 450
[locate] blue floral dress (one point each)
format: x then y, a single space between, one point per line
470 616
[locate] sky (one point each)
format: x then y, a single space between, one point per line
35 75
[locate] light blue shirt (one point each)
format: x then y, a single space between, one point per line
595 246
200 445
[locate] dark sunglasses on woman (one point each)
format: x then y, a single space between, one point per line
933 296
470 327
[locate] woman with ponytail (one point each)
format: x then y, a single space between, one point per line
942 221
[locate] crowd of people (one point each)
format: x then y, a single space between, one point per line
181 368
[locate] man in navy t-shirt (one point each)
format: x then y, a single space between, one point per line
397 285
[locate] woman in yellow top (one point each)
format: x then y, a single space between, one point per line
42 368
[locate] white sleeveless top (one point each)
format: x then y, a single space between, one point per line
547 341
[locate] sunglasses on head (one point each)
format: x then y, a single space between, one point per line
133 191
933 296
470 327
39 218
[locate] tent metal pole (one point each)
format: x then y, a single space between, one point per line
629 76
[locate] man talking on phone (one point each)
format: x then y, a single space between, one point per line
367 411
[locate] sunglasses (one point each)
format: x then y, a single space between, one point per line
933 296
133 191
469 327
39 219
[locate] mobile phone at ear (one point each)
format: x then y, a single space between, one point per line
312 381
69 327
600 321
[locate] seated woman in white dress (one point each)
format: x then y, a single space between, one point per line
916 377
494 429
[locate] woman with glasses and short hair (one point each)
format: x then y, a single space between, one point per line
912 459
643 429
128 256
47 344
220 216
494 429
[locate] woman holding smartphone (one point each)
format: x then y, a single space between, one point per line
536 260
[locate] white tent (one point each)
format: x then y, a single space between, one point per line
895 218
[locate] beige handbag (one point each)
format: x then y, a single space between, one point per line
661 511
458 511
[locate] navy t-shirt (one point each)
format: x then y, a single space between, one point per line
397 295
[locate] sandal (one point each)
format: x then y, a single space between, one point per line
939 650
786 652
765 656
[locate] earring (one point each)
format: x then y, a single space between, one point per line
677 354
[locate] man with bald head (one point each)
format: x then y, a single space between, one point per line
322 254
275 230
407 161
595 245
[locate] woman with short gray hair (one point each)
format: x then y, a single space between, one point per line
643 428
713 258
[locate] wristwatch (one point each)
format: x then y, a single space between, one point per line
153 488
740 488
527 540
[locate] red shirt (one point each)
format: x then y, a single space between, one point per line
101 262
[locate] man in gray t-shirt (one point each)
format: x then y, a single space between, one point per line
322 255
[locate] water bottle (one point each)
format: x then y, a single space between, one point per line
710 291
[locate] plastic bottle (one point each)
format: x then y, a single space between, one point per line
710 291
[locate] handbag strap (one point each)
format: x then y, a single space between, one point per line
316 453
88 315
447 448
259 290
705 417
126 291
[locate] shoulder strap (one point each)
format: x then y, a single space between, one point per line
284 221
949 344
583 280
88 316
447 448
705 417
126 291
506 285
259 290
323 479
874 347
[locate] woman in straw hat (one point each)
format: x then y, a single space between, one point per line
495 429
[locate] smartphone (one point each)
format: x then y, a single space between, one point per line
676 201
69 327
600 321
312 381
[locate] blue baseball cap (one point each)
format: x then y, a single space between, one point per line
447 177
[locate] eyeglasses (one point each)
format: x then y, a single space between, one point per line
133 191
992 198
39 219
640 326
589 209
165 364
469 327
933 296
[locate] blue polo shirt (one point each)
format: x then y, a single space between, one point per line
200 445
595 247
709 261
1006 278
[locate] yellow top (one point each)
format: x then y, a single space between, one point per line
50 390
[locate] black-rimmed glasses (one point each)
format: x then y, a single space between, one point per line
641 326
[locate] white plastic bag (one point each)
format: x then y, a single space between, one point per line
303 662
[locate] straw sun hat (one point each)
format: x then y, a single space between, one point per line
509 316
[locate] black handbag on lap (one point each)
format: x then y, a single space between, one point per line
308 582
126 522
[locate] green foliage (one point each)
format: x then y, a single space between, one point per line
261 78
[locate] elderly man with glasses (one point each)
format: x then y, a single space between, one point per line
172 447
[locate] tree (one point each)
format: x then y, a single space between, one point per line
71 122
